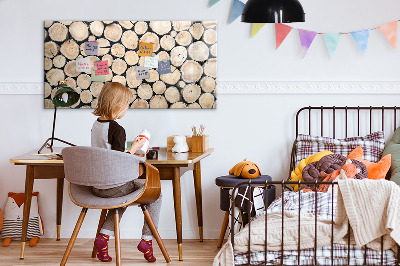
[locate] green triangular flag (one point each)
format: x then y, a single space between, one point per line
213 2
332 41
255 28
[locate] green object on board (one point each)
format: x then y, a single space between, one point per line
393 148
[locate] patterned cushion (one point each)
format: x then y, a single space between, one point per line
372 144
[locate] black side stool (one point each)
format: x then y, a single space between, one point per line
228 182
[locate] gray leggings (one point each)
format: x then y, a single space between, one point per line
154 208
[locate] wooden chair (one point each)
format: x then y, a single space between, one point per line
85 167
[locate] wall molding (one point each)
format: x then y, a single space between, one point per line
259 87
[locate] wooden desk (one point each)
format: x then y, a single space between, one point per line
169 165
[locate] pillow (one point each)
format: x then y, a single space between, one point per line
375 170
393 148
372 144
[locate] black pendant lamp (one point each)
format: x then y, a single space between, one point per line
273 11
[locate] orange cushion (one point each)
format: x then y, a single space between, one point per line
375 170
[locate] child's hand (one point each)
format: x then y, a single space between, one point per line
137 144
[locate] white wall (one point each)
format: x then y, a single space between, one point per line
257 127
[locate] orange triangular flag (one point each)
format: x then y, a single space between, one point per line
281 31
389 30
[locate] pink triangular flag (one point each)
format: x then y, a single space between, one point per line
281 31
389 30
306 38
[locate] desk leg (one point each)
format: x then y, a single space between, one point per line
27 206
199 204
60 190
176 182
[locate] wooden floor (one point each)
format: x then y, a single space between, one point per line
50 252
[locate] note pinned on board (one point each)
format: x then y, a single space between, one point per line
101 67
164 67
100 78
145 49
151 62
91 48
142 72
83 65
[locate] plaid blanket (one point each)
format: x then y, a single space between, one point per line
323 205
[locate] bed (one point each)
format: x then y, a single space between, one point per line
298 227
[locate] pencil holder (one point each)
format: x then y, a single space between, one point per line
200 143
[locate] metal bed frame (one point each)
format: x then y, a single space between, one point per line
283 184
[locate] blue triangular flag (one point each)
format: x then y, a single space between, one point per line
332 41
237 8
213 2
361 37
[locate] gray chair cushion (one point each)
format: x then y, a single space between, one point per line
83 195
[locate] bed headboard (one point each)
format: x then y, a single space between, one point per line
344 121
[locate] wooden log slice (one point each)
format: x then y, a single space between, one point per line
172 95
47 90
206 100
141 61
48 63
109 58
113 32
159 87
145 91
210 68
108 77
70 49
181 84
93 59
126 24
107 22
48 23
173 34
153 76
194 106
134 95
160 27
70 69
94 103
131 78
210 36
141 27
191 71
167 42
70 82
213 50
196 30
118 50
96 28
96 88
131 58
181 25
209 24
86 96
178 55
178 105
158 102
163 55
171 78
191 93
59 61
199 51
140 104
92 38
130 39
207 84
50 49
82 49
66 22
84 81
58 32
120 79
183 38
104 47
53 76
48 104
119 66
46 34
79 31
153 38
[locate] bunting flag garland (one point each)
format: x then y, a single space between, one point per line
306 39
237 8
255 28
332 41
213 2
361 37
389 30
281 31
